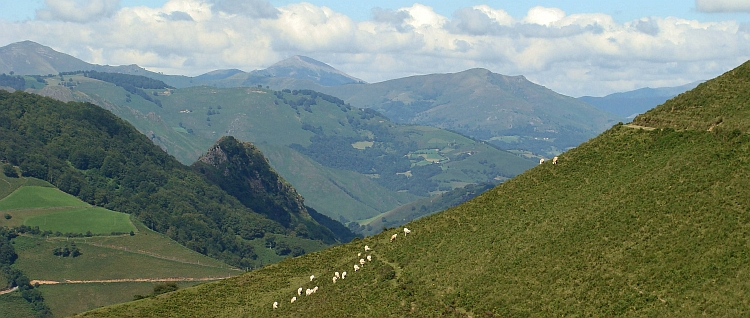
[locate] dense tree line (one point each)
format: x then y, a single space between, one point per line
134 84
15 82
90 153
16 278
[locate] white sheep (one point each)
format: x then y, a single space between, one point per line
406 231
367 248
299 291
369 258
275 304
393 237
308 292
293 299
343 275
334 279
312 277
314 290
541 161
356 267
337 275
361 261
554 160
359 254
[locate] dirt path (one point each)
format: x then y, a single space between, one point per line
129 280
3 292
639 127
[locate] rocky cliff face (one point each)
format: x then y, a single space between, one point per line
242 171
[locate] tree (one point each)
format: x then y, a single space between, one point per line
10 172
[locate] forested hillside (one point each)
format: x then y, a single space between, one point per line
639 221
90 153
241 170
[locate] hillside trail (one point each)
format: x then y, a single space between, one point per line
7 291
638 127
155 255
128 280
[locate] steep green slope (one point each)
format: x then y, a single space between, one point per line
634 222
349 145
241 170
90 153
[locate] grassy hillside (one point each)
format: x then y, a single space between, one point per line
111 269
508 111
636 222
108 269
31 197
320 129
90 153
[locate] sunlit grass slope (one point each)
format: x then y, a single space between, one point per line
634 222
30 197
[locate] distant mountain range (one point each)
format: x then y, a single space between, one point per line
633 103
508 111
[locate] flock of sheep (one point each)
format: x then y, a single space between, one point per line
554 161
337 275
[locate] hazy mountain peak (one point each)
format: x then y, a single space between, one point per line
306 68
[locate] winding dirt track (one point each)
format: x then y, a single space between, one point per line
128 280
3 292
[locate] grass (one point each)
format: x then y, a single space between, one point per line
14 306
30 197
68 299
631 223
8 185
82 220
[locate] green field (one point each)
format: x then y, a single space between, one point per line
12 305
146 255
68 299
31 197
82 220
53 210
8 185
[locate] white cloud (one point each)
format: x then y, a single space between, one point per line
544 16
576 54
723 5
77 10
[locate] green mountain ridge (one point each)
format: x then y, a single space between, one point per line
648 219
284 124
508 111
90 153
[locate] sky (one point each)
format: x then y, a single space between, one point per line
574 47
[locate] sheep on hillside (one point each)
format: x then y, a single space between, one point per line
541 161
554 160
406 231
334 279
393 237
356 267
299 291
361 261
275 304
367 248
343 275
308 292
312 277
293 299
337 275
369 258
